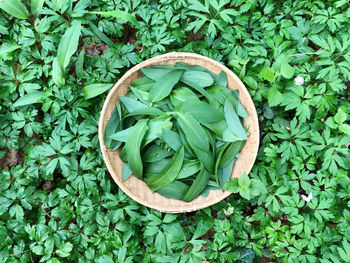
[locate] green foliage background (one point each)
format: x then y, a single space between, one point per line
59 204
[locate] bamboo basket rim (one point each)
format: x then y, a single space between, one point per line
248 103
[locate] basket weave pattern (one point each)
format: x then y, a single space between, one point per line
137 189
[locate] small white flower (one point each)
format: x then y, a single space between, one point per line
229 211
299 81
308 198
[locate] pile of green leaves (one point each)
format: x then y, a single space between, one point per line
182 129
59 204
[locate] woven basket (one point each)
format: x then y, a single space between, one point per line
138 189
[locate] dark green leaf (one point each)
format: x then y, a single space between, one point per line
233 121
93 90
172 139
175 190
189 167
155 153
200 78
164 85
126 171
68 45
202 111
168 173
132 147
15 8
31 98
198 185
194 132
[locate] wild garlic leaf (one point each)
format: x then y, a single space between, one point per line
126 171
164 85
155 153
132 104
132 147
182 94
168 173
230 153
193 130
189 167
156 73
175 190
15 8
198 185
233 121
172 139
202 111
68 45
114 124
199 78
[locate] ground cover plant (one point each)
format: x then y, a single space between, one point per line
58 59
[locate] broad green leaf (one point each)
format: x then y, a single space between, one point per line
182 94
15 8
31 98
155 153
221 79
218 159
156 127
194 132
119 15
189 167
143 83
217 127
146 111
172 139
156 73
175 190
36 6
126 171
114 124
92 90
268 74
164 85
155 167
185 142
200 78
233 121
132 147
287 71
121 135
143 96
79 65
131 104
168 173
201 110
230 153
205 157
225 174
57 73
198 185
68 45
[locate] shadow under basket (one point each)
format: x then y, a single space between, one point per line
137 189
